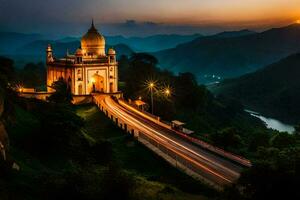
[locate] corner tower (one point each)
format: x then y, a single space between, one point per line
49 54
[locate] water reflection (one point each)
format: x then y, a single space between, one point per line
273 123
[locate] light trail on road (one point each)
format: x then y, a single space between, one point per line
215 168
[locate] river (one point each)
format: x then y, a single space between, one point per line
273 123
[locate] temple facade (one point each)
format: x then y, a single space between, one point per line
90 69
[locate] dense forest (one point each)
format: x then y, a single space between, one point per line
64 153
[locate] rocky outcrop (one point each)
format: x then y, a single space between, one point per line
8 163
1 105
3 133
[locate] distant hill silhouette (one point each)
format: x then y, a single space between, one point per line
25 48
60 48
152 43
273 91
232 54
9 41
12 43
231 34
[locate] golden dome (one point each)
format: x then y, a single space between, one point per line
93 43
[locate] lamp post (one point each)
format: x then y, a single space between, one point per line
151 86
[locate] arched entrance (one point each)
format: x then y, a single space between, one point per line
80 89
97 83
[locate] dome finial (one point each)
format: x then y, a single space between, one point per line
93 26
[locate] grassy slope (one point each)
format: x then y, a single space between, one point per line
137 159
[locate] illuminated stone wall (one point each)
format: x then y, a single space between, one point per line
55 72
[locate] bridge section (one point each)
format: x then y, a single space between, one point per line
187 156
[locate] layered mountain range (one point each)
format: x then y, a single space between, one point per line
231 54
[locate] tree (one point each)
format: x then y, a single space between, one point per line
274 175
283 140
142 67
145 58
297 130
7 78
227 138
189 95
258 138
62 92
33 75
124 64
6 71
55 128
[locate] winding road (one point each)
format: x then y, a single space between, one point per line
212 167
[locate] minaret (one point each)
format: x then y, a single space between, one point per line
49 53
112 55
113 71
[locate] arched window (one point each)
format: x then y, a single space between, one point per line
78 59
79 76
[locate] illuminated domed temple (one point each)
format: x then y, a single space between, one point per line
89 70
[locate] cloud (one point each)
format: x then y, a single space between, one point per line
144 17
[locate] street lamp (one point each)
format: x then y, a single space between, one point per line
151 86
20 88
167 92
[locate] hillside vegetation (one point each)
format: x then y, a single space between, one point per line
70 152
273 91
61 151
221 121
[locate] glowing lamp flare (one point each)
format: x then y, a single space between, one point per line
20 88
151 85
167 92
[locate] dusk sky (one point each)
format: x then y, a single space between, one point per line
144 17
